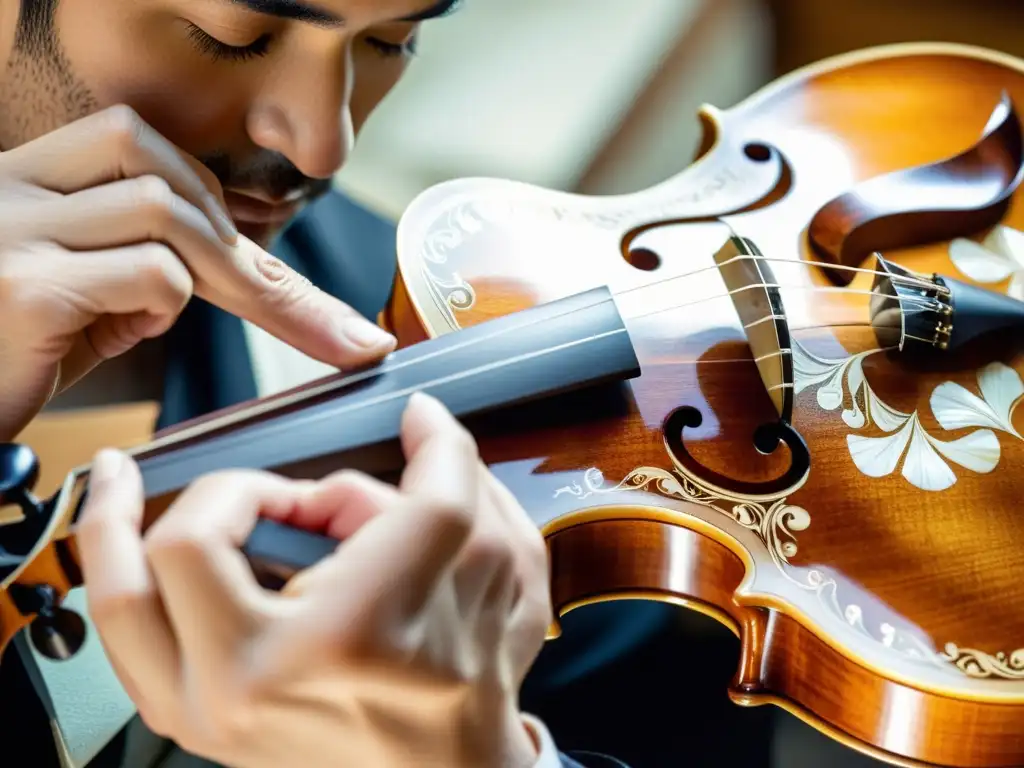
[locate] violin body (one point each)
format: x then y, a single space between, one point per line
876 592
848 507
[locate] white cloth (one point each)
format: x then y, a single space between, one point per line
549 757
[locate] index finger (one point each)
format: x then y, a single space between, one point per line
441 455
256 286
111 145
364 597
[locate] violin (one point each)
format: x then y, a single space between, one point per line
778 388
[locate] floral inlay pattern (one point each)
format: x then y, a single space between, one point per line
925 458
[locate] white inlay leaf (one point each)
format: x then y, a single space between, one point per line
810 370
924 467
1016 288
925 458
1001 387
979 451
956 408
879 456
1007 242
980 263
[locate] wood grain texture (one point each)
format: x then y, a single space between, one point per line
876 597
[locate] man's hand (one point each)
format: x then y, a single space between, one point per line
106 231
407 647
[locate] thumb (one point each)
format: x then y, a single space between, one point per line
124 602
108 532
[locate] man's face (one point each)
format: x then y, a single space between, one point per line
269 94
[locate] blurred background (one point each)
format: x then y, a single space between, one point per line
605 99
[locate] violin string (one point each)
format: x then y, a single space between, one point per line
913 280
388 366
341 406
916 303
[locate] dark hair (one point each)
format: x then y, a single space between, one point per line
35 26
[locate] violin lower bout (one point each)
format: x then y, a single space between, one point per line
647 553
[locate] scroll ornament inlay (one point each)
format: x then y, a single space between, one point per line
776 525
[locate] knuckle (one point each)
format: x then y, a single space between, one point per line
172 540
230 716
155 196
125 126
229 713
20 287
347 479
280 283
273 270
492 548
449 515
223 482
179 535
160 265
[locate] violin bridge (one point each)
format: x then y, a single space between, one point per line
755 294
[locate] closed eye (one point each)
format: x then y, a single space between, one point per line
218 50
390 49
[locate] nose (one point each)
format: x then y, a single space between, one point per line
303 111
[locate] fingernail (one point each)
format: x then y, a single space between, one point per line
368 335
106 466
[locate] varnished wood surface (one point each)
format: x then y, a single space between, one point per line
879 605
876 607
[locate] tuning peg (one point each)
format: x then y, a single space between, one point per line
19 471
57 633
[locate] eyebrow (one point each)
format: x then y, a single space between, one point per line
442 8
299 10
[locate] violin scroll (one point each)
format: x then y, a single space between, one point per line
276 552
952 198
56 632
19 471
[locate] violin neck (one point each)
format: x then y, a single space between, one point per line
580 341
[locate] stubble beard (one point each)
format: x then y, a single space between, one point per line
39 91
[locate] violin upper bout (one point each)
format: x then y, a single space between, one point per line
955 197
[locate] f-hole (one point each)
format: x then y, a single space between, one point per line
755 294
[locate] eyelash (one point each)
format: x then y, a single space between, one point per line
217 50
388 50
